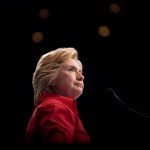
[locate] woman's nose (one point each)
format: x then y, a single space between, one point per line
80 76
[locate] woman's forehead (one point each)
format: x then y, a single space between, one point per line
73 62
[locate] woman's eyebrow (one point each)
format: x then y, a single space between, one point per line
72 66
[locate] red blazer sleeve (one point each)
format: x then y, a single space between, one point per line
56 123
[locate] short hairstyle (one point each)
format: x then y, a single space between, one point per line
48 68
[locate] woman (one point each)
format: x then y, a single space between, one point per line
57 83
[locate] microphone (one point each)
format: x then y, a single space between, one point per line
116 96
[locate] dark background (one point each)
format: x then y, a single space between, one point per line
119 61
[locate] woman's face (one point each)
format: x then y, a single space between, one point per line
70 80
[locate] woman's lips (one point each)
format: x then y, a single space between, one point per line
79 84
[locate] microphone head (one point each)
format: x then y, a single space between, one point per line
111 90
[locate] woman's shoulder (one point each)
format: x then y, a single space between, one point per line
52 104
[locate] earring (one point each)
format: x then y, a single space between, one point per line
52 84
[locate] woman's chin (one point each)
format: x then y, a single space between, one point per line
79 93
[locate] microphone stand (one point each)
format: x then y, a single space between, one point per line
116 96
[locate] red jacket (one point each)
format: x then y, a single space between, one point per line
56 120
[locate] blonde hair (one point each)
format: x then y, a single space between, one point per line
48 67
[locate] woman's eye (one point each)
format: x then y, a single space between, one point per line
72 69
